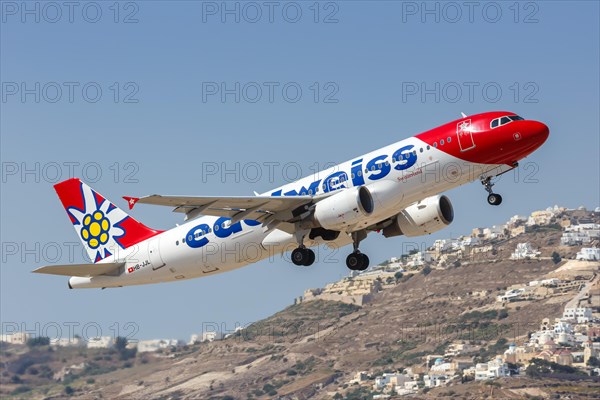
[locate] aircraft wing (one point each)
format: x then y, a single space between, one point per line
85 270
260 208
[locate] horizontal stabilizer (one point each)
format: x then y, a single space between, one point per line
85 270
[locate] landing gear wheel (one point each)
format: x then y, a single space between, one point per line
357 261
494 199
303 256
354 261
365 264
311 257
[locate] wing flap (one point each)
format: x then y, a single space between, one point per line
84 270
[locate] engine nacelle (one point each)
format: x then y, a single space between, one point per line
422 218
343 211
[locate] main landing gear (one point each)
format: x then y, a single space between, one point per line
356 260
493 199
303 256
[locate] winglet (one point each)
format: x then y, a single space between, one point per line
131 201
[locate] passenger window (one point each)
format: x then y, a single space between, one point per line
442 142
428 147
421 150
449 139
434 144
177 243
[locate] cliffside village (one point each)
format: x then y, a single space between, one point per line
571 340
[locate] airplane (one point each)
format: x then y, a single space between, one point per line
395 190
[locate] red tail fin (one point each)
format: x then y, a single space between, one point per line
102 227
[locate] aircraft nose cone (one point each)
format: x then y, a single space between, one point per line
541 132
535 133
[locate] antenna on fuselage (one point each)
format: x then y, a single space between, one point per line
463 115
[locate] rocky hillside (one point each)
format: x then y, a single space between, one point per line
312 349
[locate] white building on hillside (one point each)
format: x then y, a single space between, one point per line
511 295
16 337
100 342
441 245
580 314
524 251
580 234
491 370
419 259
68 342
541 217
468 242
516 220
588 254
211 336
146 346
390 380
545 282
495 232
435 380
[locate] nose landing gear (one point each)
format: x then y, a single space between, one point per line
493 199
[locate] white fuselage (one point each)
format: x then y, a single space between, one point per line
203 246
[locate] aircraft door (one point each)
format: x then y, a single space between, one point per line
464 135
154 251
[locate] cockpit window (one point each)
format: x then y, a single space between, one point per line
505 120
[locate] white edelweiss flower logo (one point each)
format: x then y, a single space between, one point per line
99 223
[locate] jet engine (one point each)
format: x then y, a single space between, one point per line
344 210
422 218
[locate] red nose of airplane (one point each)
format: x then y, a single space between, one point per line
535 133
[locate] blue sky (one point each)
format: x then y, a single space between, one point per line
159 127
